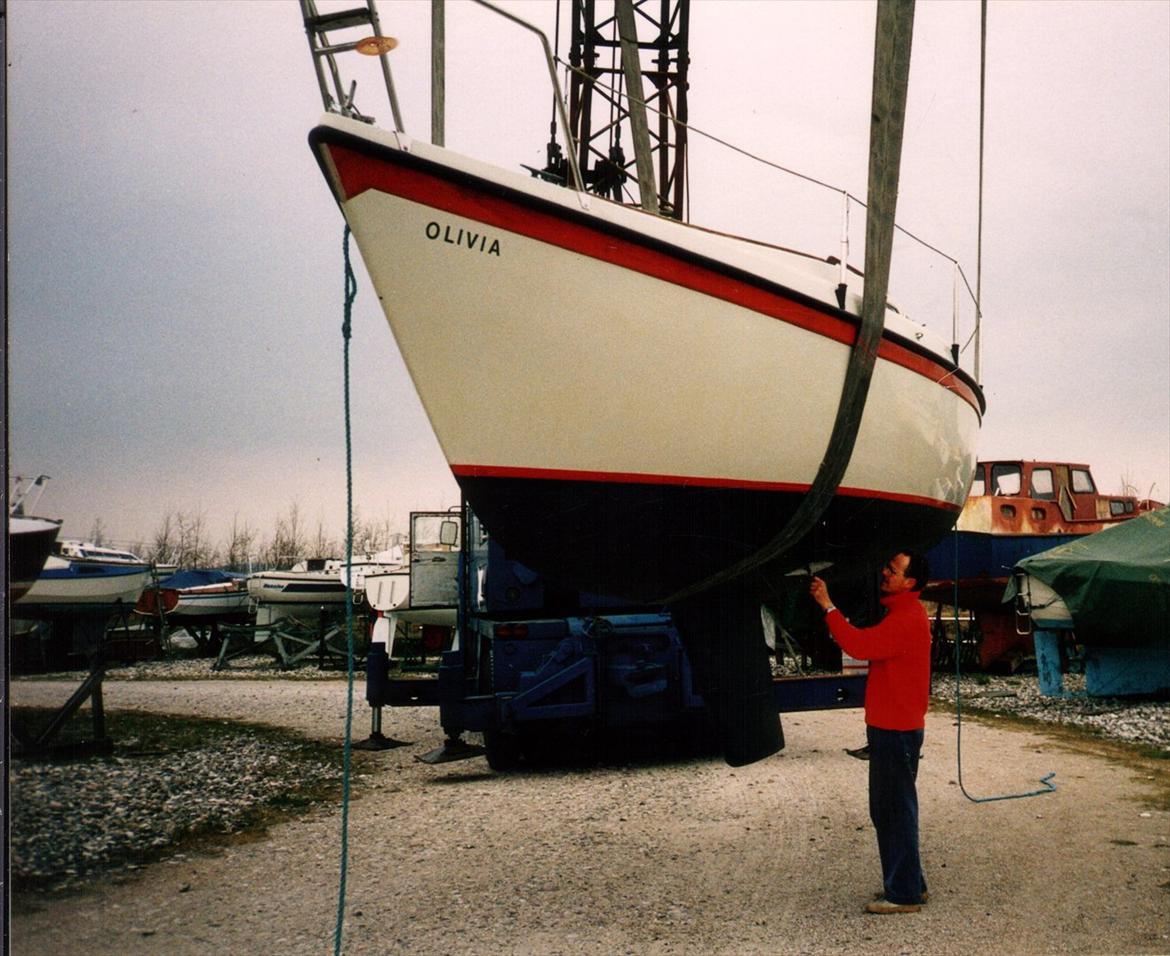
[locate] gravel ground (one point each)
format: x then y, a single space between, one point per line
671 857
75 819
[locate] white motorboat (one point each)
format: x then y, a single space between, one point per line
72 549
78 586
314 581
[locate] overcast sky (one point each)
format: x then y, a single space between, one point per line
175 270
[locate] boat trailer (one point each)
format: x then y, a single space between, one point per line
529 680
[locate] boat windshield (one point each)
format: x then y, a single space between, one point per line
1005 479
1042 484
979 484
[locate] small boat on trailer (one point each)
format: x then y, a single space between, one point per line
306 591
197 596
1017 508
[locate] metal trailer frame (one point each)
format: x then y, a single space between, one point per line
519 670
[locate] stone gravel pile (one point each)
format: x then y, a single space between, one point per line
70 820
1134 721
254 667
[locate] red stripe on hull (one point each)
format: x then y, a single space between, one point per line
359 173
634 478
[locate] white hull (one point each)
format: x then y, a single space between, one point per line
296 587
595 374
638 373
62 586
194 605
390 594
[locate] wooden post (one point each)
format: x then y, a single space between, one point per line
891 72
635 97
438 72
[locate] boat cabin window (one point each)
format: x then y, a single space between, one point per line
1117 508
1005 479
1042 486
1082 482
979 485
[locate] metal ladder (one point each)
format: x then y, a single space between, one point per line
319 27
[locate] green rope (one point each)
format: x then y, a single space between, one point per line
350 294
1046 780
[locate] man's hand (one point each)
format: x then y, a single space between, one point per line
819 592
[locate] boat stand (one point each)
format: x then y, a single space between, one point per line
242 640
91 631
288 641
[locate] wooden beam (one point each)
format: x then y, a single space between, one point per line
891 73
635 97
438 72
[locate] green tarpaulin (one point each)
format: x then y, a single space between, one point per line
1116 583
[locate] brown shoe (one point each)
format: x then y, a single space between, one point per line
882 896
884 907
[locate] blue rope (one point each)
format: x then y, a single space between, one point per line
1046 780
350 294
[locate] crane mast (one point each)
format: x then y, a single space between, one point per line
628 101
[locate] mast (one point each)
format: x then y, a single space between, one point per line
628 89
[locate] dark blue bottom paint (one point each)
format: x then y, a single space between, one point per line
644 542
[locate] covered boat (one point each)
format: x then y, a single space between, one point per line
1109 593
1112 587
197 595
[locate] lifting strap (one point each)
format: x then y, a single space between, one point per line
891 71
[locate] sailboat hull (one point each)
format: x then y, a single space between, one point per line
630 403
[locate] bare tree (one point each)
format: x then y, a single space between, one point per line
241 544
195 549
288 540
324 546
97 532
181 539
162 548
373 535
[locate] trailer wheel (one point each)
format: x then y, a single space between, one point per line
503 750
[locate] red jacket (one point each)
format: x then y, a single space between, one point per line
898 650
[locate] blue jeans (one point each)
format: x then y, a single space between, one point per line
893 808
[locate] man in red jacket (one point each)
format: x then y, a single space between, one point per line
896 695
